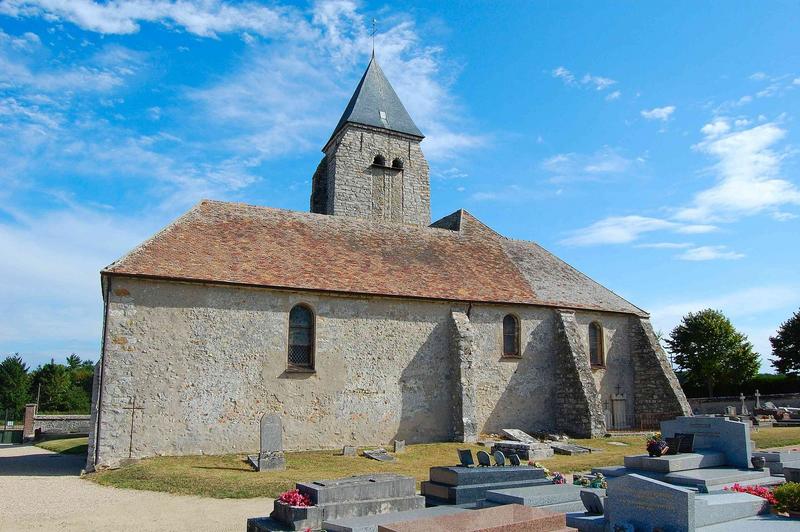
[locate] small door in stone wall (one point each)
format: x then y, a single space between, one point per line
619 416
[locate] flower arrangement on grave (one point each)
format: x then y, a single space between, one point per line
787 498
540 466
597 480
758 491
558 478
295 498
655 445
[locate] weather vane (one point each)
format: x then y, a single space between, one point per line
374 30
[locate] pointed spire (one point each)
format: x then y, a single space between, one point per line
375 104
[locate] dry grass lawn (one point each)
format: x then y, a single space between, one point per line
231 477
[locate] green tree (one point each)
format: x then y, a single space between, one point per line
55 381
711 351
14 384
786 346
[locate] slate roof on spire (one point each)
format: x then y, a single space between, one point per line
375 104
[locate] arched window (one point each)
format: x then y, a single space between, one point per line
301 337
510 336
397 163
596 356
379 160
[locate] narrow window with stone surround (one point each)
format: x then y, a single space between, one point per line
510 336
596 355
301 338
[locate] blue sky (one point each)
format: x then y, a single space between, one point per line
651 145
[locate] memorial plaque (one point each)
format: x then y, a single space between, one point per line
499 458
465 457
483 458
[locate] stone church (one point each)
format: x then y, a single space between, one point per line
361 321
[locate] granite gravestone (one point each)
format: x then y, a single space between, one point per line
715 433
465 457
514 459
270 455
499 458
647 504
592 502
483 458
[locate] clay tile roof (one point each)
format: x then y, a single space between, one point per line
460 259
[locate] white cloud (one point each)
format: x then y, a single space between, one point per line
51 282
604 164
627 229
617 230
564 75
783 216
703 253
613 96
748 176
658 113
758 76
736 304
716 128
796 81
206 19
510 193
665 245
600 83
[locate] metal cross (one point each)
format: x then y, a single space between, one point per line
133 408
374 30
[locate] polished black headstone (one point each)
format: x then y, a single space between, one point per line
483 458
465 457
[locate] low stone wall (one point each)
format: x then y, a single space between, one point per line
716 405
62 424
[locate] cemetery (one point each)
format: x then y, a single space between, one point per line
704 475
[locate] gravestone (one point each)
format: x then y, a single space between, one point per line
730 411
483 458
592 502
499 458
379 454
514 459
399 446
349 450
716 433
465 457
270 455
647 504
569 449
518 435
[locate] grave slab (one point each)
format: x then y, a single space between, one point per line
471 493
543 495
675 462
714 476
569 449
586 522
647 504
459 475
723 507
512 517
518 435
361 487
370 523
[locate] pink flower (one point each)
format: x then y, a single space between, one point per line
295 498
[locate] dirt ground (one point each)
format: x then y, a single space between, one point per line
41 490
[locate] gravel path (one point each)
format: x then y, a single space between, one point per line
41 490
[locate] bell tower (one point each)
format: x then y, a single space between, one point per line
373 166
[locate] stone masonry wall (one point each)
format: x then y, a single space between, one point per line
59 424
464 396
205 362
357 188
514 392
658 394
578 404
